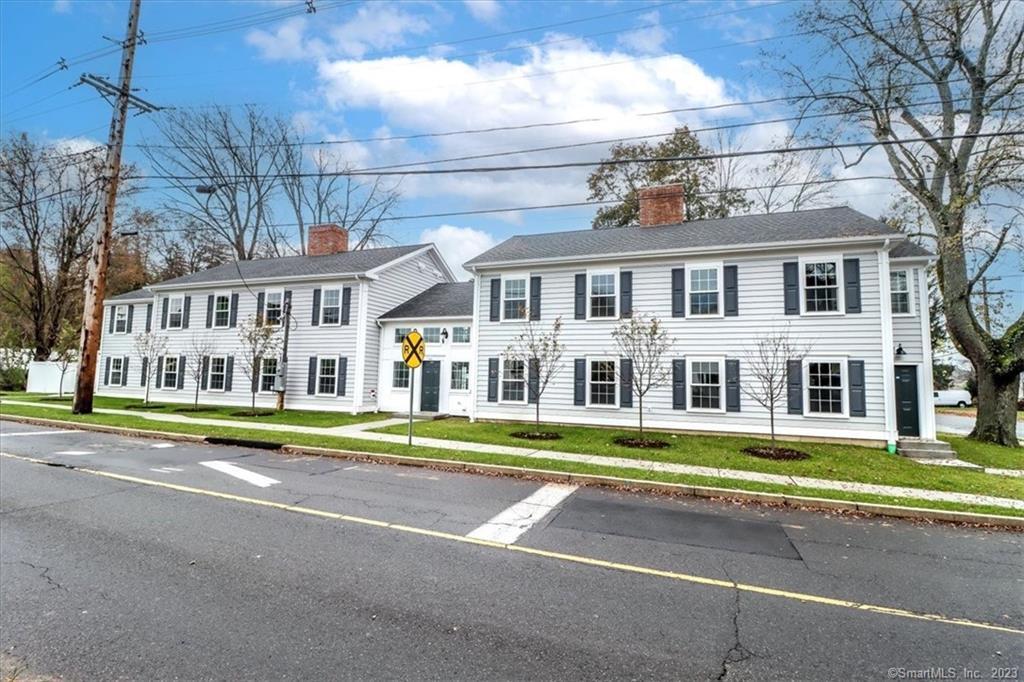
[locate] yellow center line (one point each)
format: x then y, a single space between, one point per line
558 556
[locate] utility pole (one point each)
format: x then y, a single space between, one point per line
282 365
96 278
986 309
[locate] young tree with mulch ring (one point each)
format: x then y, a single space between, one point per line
149 347
766 366
643 341
198 353
258 341
540 351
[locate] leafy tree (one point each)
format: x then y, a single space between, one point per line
942 375
540 351
644 342
622 173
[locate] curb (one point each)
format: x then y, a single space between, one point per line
657 487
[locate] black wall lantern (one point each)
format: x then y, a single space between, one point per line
444 335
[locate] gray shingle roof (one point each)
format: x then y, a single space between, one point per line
825 223
441 300
348 263
909 249
136 295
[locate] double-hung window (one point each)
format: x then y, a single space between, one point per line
399 375
821 286
513 381
327 376
175 312
514 301
460 376
268 374
706 384
221 310
899 291
330 308
401 332
273 307
705 290
121 319
218 372
602 384
460 334
170 371
603 294
825 384
432 334
116 371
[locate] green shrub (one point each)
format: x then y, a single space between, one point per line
13 378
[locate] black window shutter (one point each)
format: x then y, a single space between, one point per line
342 375
209 311
795 386
732 385
106 372
229 368
259 307
163 314
316 308
492 379
679 384
131 314
145 371
495 299
234 310
311 383
626 382
181 372
346 307
678 292
579 382
791 287
159 372
626 293
535 297
533 385
186 312
730 274
581 296
112 309
858 401
851 284
149 316
124 371
206 371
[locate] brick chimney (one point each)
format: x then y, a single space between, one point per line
661 205
327 239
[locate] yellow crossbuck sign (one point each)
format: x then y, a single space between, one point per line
414 349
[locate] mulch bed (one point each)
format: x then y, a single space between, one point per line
646 443
767 452
536 435
257 413
144 407
55 399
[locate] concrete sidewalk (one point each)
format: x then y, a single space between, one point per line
363 431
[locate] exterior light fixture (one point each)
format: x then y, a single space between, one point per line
899 349
444 335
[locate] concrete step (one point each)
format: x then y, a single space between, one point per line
925 449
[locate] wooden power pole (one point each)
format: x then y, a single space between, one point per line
96 279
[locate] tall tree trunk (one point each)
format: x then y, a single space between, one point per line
996 421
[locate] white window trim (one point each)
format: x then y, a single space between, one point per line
163 373
462 326
501 381
690 361
840 284
469 376
440 334
525 276
403 389
217 295
909 272
266 301
209 374
319 359
323 308
705 265
170 304
844 387
614 272
616 382
117 311
260 390
120 370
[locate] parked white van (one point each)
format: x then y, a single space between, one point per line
953 398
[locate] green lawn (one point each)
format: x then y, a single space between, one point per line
985 454
482 458
828 460
296 417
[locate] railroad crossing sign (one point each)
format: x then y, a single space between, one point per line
414 349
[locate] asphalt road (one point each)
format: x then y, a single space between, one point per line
142 562
961 425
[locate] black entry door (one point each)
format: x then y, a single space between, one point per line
908 419
430 393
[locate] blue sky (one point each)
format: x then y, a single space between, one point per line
355 70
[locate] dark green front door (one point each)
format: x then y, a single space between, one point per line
908 418
430 393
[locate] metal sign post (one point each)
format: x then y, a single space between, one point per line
414 352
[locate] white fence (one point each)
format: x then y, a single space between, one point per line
44 377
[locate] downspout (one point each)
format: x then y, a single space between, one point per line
927 402
474 346
888 349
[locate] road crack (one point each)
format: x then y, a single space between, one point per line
737 653
45 575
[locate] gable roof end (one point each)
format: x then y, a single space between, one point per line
454 299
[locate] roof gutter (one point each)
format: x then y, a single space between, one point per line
262 280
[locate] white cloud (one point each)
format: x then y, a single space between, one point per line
649 38
458 244
61 6
483 10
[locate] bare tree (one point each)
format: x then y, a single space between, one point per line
539 349
792 182
258 341
148 347
766 366
65 351
950 74
644 342
197 355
